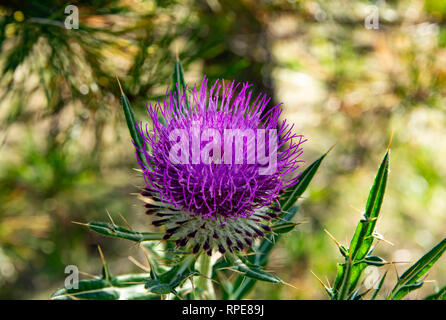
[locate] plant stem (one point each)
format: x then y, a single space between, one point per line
205 283
346 280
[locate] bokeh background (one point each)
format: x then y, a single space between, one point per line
65 152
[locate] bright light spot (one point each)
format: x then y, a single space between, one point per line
84 89
18 16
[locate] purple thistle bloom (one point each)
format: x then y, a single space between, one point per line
226 201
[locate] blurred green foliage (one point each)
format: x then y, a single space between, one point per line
65 153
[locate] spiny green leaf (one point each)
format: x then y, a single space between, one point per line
179 84
339 278
128 287
405 289
361 243
356 295
283 227
257 273
378 289
157 287
167 282
355 274
251 270
132 124
363 237
410 279
374 261
112 230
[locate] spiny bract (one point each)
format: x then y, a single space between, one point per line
219 205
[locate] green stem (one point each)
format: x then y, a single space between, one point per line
346 280
205 283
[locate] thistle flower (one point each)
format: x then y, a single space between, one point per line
209 192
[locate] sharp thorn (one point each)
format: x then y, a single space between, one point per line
320 281
333 238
